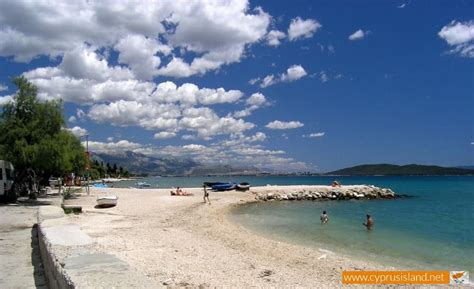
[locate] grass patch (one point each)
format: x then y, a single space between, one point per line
72 209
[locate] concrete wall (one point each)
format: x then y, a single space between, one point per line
56 277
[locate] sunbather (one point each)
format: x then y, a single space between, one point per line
180 192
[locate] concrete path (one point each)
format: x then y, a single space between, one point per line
20 262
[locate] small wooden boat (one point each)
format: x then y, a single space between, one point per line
243 187
224 187
107 201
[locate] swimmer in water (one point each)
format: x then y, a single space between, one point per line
324 217
370 222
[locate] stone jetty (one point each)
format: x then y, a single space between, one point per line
324 193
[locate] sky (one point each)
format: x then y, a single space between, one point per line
281 85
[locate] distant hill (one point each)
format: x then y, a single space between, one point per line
387 169
141 164
465 167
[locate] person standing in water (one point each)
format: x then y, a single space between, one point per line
370 222
206 195
324 217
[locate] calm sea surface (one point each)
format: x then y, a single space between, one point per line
432 230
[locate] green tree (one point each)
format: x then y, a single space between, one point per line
109 169
33 136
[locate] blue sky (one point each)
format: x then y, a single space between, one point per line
306 85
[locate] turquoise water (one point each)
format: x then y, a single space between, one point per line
432 230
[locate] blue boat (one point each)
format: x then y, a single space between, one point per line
102 186
224 187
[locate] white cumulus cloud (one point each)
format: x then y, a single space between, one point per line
460 36
5 99
293 73
210 33
256 99
274 37
113 147
78 131
300 28
284 125
357 35
164 135
254 102
268 80
139 52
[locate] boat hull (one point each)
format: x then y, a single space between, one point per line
106 202
224 187
241 187
211 184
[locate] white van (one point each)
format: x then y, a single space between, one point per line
6 178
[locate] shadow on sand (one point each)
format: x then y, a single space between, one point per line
38 270
26 202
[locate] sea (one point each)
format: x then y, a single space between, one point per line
433 229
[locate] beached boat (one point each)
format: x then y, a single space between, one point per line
224 187
107 201
243 187
143 185
100 186
210 184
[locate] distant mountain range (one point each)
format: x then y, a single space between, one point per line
395 170
137 163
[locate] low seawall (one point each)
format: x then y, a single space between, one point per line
55 276
315 193
71 258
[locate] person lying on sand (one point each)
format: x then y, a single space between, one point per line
180 192
370 222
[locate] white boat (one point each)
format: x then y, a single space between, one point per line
243 187
107 201
143 185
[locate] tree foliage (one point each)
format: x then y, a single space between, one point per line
33 135
101 170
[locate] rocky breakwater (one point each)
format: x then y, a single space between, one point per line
314 193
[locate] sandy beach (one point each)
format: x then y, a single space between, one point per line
180 241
